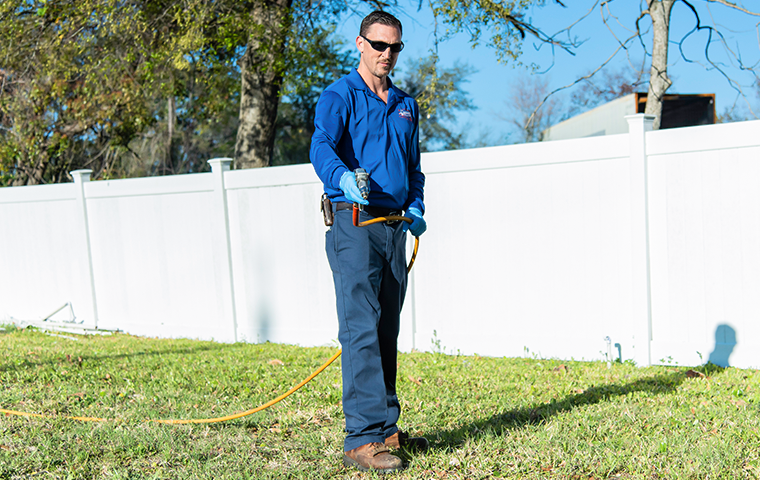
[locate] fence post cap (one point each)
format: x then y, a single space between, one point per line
217 163
641 118
82 175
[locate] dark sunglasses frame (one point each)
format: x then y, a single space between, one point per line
382 46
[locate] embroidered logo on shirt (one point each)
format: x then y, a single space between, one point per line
405 114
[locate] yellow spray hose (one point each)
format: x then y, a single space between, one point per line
393 218
260 407
253 410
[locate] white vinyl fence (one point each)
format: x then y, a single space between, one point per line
646 244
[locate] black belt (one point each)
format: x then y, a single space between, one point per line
372 211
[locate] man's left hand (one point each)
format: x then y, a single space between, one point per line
418 225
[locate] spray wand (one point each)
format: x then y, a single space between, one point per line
362 181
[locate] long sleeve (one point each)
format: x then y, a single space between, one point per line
416 177
329 123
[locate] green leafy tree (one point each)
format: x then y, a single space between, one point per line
441 96
130 87
70 86
284 30
504 21
303 84
83 80
196 119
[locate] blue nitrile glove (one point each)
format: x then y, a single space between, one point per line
348 185
418 225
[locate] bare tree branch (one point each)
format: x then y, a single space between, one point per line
734 6
621 46
526 92
523 27
570 27
574 43
643 14
637 32
710 30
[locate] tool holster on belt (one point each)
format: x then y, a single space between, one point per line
327 210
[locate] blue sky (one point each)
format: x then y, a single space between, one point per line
489 88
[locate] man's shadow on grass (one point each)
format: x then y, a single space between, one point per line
541 412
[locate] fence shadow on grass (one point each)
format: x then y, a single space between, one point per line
542 412
77 358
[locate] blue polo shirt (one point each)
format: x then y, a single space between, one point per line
355 128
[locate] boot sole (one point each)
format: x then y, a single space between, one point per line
350 462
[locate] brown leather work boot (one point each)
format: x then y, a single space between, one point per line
373 456
402 440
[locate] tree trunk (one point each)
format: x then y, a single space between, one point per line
659 12
261 74
31 171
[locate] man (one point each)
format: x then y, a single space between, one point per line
364 121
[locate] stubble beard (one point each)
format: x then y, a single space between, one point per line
382 71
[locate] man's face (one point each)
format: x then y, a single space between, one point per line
377 63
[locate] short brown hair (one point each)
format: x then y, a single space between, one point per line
381 17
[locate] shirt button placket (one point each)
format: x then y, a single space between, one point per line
386 119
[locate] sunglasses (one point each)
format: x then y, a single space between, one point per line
382 46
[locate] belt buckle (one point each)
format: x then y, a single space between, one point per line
393 214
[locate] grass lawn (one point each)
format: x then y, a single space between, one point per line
485 417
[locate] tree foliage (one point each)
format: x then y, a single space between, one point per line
441 97
68 86
304 82
154 87
85 81
505 22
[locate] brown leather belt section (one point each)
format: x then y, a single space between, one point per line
373 211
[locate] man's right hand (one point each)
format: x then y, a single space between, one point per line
350 190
